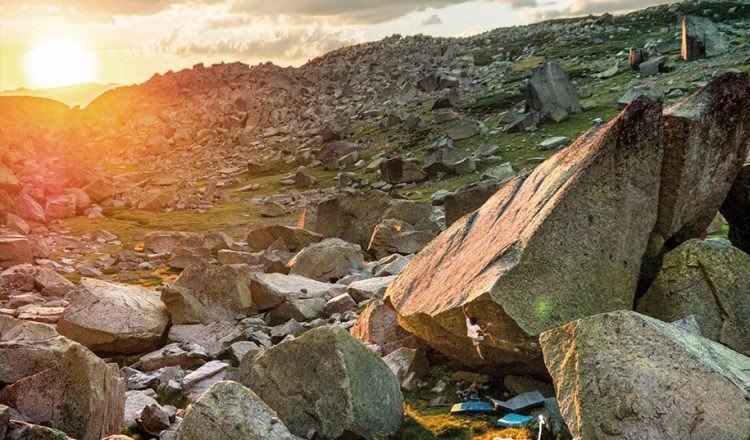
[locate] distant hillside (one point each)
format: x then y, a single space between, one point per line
77 94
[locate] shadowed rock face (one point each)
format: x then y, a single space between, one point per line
736 209
706 139
622 375
566 242
710 280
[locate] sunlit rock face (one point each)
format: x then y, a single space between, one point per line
565 242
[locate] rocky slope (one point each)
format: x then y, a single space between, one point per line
284 253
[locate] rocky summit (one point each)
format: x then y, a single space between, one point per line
538 231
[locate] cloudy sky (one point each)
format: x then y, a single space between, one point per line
47 43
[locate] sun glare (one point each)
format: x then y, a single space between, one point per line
57 63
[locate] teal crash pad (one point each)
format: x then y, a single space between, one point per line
473 407
514 421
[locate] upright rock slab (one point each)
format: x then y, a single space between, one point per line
551 94
706 139
736 209
82 396
328 382
622 375
540 252
701 38
114 318
709 280
229 411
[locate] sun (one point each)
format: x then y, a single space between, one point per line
57 63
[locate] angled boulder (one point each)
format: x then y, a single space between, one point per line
82 396
668 383
293 239
270 290
709 280
114 318
538 252
328 383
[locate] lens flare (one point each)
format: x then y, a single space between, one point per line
57 63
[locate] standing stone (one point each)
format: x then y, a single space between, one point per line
230 411
701 38
736 210
594 200
637 56
709 280
551 94
82 396
706 139
622 375
14 250
114 318
328 383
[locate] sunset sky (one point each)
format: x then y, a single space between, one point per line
50 43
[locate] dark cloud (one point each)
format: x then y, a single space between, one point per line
586 7
432 20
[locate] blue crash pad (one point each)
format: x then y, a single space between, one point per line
473 407
514 421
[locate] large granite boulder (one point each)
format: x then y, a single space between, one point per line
328 383
354 217
736 210
82 396
14 250
709 280
26 348
701 38
537 254
622 375
230 411
328 260
293 239
114 318
706 139
551 94
204 293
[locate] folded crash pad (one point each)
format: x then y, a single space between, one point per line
473 407
514 421
520 403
